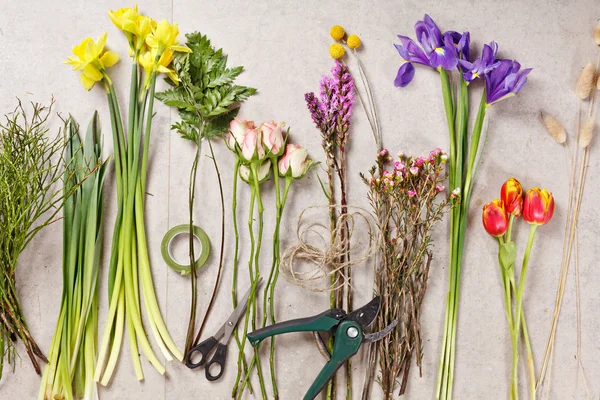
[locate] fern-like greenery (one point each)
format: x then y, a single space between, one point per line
207 100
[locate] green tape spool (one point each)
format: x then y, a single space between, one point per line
165 248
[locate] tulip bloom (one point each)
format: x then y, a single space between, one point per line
511 195
495 218
538 207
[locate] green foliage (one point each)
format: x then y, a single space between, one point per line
207 98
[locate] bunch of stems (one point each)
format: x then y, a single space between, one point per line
30 166
515 315
586 91
406 209
129 263
462 171
70 373
251 316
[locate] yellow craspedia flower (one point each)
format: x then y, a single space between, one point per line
165 36
336 51
337 32
353 41
91 58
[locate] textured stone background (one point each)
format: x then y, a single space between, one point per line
284 48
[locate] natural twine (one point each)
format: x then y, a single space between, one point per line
326 256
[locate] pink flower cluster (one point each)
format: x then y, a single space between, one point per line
263 144
410 175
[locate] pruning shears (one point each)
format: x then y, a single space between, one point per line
347 329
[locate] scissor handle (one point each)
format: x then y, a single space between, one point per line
203 348
219 359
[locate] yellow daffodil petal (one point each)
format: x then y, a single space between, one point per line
181 49
87 82
173 76
79 50
92 72
151 41
109 59
146 61
100 43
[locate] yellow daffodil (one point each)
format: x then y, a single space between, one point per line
165 36
134 25
148 61
91 58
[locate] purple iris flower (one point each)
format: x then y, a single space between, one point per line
462 43
483 65
504 81
436 50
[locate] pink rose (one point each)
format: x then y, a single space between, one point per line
294 162
238 128
252 148
272 136
262 171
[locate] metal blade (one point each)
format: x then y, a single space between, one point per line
367 313
375 336
227 328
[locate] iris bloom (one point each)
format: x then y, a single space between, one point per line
505 81
91 59
165 36
436 50
483 65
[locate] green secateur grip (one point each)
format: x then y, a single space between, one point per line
323 322
348 338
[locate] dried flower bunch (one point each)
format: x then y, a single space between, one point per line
587 90
405 201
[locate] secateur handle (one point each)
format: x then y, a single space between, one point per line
323 322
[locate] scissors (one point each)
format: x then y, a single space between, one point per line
218 340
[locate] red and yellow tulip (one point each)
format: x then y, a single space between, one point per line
538 207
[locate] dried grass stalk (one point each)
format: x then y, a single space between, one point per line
554 127
585 83
597 34
587 132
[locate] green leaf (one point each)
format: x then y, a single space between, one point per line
507 255
174 98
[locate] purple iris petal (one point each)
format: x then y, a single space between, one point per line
444 57
506 80
410 51
483 65
405 75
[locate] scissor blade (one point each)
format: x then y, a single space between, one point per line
239 310
376 336
367 313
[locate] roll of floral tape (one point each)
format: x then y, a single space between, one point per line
165 248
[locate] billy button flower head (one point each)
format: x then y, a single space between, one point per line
495 218
91 59
337 32
511 195
337 51
538 207
353 41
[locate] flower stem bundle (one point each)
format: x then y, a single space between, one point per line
445 53
30 168
587 89
404 201
260 151
207 101
72 356
152 47
331 113
537 208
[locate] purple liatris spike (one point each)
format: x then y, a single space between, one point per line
314 106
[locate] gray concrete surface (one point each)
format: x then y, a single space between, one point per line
284 48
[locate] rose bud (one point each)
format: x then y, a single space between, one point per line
511 195
294 162
238 128
263 171
538 207
495 218
252 147
273 137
